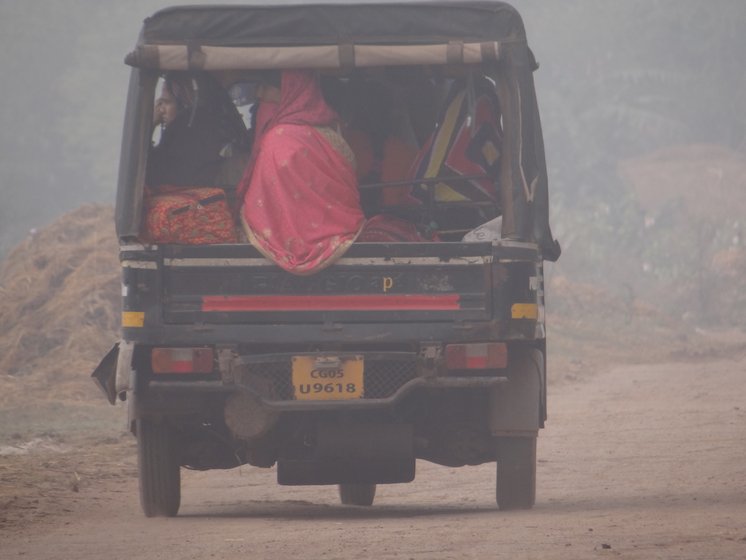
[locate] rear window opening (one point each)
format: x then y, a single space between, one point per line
425 147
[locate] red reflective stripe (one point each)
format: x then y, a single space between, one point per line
444 302
477 355
476 362
179 367
181 360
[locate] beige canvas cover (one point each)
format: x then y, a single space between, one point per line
182 57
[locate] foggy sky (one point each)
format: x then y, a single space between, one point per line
65 82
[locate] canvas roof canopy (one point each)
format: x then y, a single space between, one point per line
343 35
332 35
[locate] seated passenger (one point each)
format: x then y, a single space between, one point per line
301 207
382 155
376 130
200 128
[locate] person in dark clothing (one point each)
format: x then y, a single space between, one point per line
201 128
382 154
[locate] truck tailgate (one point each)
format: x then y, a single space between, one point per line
373 282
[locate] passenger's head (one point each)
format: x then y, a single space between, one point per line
373 108
292 97
166 109
177 95
268 88
182 88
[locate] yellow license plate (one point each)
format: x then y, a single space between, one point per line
324 378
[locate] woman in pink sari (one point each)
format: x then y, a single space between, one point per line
301 206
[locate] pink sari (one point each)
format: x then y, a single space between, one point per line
301 206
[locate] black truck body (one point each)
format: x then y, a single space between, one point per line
398 351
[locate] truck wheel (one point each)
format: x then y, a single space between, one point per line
160 477
516 472
357 494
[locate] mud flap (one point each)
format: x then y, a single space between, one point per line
353 454
516 406
105 374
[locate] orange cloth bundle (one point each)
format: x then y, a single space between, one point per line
191 216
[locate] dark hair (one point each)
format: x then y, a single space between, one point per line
271 78
181 88
373 110
202 96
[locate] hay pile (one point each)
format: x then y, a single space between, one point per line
59 307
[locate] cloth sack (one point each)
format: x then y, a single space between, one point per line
192 216
490 231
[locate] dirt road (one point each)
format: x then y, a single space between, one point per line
637 462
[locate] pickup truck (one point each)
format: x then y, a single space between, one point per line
399 350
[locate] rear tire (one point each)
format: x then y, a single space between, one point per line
516 472
159 472
357 494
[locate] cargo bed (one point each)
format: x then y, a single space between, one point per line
383 292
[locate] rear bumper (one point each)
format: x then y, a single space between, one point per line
182 390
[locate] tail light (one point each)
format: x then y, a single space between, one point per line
182 360
482 355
